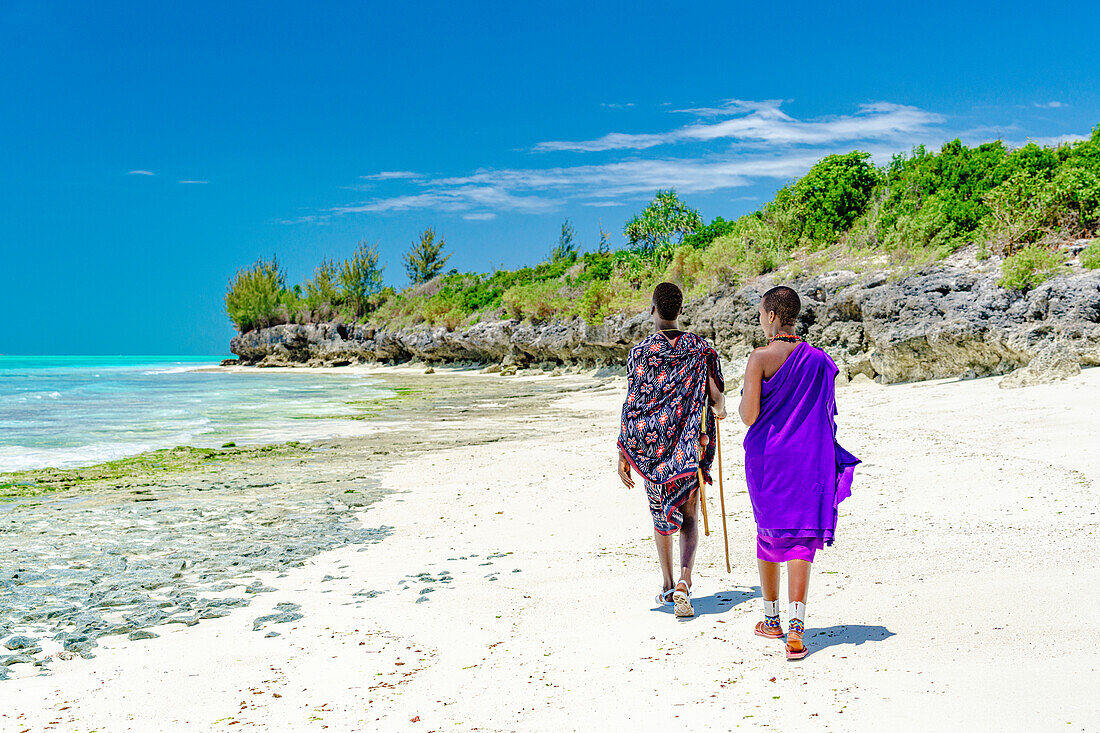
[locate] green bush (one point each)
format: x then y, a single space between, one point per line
257 296
824 202
1029 267
934 200
703 236
536 301
1090 256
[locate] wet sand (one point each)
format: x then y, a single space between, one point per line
513 590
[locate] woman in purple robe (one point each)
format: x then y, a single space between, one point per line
796 471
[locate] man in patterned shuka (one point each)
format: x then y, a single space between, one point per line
669 376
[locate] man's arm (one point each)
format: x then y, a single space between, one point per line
749 409
717 399
624 464
624 471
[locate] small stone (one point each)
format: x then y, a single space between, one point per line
142 634
20 642
11 659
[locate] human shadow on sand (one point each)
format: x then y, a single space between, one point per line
856 634
715 603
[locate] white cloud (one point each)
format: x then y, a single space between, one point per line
140 173
1051 105
391 175
766 122
767 144
194 181
539 190
1051 140
455 199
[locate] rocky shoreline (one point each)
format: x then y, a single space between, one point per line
950 319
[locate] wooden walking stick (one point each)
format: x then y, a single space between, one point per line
699 470
722 494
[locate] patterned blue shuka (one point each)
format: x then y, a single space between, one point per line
659 433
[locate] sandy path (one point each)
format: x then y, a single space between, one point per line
972 527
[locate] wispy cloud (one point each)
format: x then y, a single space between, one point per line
194 181
391 175
540 190
763 143
140 173
1051 105
1051 140
766 122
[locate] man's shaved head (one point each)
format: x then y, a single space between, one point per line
784 302
668 300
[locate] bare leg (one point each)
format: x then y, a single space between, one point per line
769 579
689 536
798 580
664 554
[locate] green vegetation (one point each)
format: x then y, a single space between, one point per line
425 259
258 296
1021 205
666 221
360 278
1090 256
136 471
1028 267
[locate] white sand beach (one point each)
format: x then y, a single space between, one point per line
516 593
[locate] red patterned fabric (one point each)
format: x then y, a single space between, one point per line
666 389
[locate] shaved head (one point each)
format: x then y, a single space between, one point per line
668 299
784 302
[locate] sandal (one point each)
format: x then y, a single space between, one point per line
767 630
682 600
795 648
664 598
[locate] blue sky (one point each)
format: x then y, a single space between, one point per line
148 150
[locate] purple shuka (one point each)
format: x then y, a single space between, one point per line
796 471
659 432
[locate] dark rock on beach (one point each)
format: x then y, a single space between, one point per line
950 319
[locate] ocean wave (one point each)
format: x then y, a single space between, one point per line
23 458
175 370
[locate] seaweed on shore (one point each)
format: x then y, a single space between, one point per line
139 470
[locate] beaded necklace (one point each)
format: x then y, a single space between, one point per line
788 337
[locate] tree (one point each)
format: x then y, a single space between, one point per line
605 241
323 291
664 221
257 296
425 259
361 277
566 248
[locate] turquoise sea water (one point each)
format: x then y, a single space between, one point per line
77 410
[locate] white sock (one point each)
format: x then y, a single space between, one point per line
771 608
